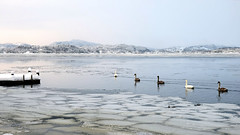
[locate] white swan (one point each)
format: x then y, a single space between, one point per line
12 72
188 86
115 74
29 70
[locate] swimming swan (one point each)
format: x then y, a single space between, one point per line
159 82
188 86
136 79
115 74
221 89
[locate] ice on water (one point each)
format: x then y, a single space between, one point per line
125 112
67 102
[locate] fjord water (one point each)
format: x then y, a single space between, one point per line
84 85
96 73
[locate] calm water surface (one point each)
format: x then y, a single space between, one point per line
73 75
83 72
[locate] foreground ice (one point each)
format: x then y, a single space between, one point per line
34 111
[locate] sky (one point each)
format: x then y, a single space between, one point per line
149 23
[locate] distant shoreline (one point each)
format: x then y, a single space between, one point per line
129 54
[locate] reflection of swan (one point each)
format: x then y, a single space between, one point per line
136 79
187 91
221 89
159 82
135 84
115 74
188 86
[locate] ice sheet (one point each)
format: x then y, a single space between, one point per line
128 112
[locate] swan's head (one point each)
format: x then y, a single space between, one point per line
218 82
135 74
157 76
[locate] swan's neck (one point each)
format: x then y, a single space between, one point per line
158 79
135 76
186 82
219 85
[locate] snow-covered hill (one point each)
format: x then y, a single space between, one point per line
76 43
121 48
84 47
192 49
7 45
200 48
66 48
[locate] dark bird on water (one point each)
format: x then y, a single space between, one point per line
221 89
159 82
136 79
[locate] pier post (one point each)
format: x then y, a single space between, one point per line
23 81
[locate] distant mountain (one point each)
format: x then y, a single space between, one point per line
7 45
170 50
227 50
201 48
84 47
190 49
76 43
68 48
121 48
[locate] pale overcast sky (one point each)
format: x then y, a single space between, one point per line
150 23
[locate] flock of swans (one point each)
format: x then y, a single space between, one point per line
187 86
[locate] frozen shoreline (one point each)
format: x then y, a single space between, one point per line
48 111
